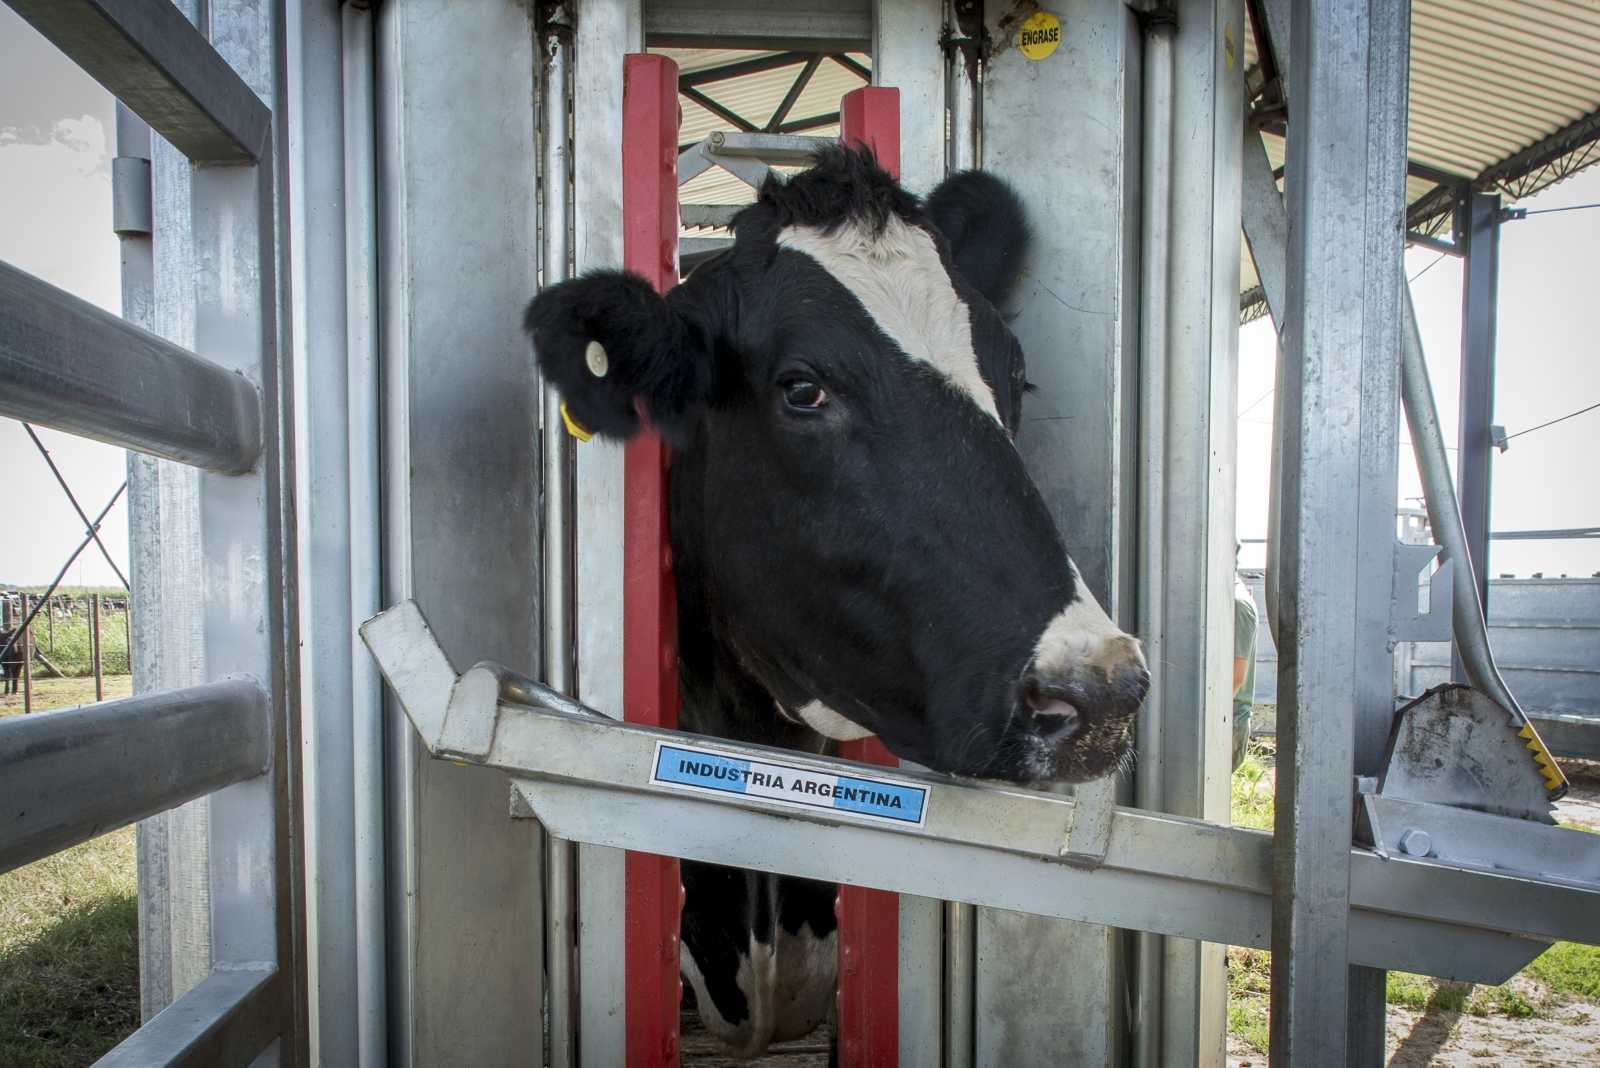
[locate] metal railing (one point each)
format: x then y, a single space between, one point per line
216 403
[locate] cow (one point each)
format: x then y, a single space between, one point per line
857 547
10 659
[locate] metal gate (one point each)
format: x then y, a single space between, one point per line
212 395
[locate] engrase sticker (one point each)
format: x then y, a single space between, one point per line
1039 35
685 767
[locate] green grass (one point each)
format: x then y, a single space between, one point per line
65 641
1569 968
69 961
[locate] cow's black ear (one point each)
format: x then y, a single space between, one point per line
614 350
983 221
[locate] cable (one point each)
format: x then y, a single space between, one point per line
1553 422
1247 408
1426 269
1523 213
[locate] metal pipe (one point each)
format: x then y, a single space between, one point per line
1444 515
69 776
961 95
558 603
365 556
67 364
1155 259
960 981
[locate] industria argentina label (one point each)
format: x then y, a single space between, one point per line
687 768
1039 35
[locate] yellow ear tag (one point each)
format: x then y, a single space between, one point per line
574 427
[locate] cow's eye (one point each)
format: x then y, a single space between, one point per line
804 394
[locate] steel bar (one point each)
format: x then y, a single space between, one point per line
773 148
66 364
153 60
728 71
1154 263
1444 517
785 105
1389 57
73 499
962 60
224 1022
558 638
721 111
590 778
369 1013
807 25
1324 350
1474 442
71 775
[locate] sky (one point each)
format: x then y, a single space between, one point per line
56 143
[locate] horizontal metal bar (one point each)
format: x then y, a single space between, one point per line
808 26
589 779
727 71
67 364
226 1020
774 148
66 777
157 63
697 216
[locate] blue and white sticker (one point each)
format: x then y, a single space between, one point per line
687 768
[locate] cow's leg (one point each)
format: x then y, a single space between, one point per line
759 952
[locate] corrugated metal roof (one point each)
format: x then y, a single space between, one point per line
753 97
1490 81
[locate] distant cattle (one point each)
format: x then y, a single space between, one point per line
858 549
11 660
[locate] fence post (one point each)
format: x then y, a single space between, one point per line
27 658
94 645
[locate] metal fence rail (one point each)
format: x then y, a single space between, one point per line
70 775
66 364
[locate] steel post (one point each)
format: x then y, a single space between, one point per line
1475 447
1336 294
558 641
460 421
606 30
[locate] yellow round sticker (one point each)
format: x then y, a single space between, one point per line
1039 36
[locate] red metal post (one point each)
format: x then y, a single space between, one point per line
654 893
869 920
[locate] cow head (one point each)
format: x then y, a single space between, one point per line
850 516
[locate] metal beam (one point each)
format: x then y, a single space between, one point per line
808 26
69 776
67 364
728 71
590 778
1548 152
1475 445
1318 598
225 1021
153 60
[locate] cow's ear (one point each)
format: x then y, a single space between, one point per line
984 223
614 349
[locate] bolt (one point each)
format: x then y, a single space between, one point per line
1415 842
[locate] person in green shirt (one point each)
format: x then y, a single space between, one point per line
1245 622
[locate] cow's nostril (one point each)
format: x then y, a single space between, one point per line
1054 719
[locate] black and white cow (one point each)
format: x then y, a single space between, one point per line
858 549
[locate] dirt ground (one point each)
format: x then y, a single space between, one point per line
1564 1032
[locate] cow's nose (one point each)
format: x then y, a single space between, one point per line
1060 701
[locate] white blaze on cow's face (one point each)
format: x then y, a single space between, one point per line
900 280
1081 636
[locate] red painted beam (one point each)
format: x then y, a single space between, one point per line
653 890
869 920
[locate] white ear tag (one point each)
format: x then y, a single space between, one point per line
594 356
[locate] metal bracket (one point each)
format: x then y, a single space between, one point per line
1089 829
1406 623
